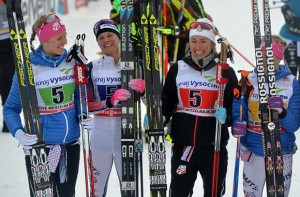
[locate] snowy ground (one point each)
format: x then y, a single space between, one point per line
233 19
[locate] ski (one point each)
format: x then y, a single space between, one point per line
39 176
128 116
292 58
156 144
269 119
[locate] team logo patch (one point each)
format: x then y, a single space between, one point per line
181 169
55 26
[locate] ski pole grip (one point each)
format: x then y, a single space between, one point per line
222 73
80 72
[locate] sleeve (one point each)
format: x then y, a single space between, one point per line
229 95
169 93
90 85
13 108
291 121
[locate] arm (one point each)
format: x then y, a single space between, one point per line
12 108
290 118
169 93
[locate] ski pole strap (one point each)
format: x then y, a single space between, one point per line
222 73
81 74
222 67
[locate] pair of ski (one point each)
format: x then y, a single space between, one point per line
156 145
131 139
39 173
269 118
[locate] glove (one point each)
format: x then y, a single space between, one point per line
137 85
120 95
221 115
168 138
174 31
75 52
146 122
238 129
87 122
26 140
136 34
276 103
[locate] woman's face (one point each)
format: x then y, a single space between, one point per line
109 43
200 46
55 45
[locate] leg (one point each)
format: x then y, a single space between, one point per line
287 173
183 175
102 149
253 174
206 169
116 124
67 189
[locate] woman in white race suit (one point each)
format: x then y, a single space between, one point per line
105 86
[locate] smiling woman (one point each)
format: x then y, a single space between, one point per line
105 86
58 105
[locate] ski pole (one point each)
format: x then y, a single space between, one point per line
90 158
243 82
81 80
78 75
221 81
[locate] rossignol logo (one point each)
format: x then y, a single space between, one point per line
271 71
263 95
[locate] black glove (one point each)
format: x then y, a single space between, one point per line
75 52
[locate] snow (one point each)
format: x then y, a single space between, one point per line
233 19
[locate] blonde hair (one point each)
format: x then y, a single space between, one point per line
37 24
